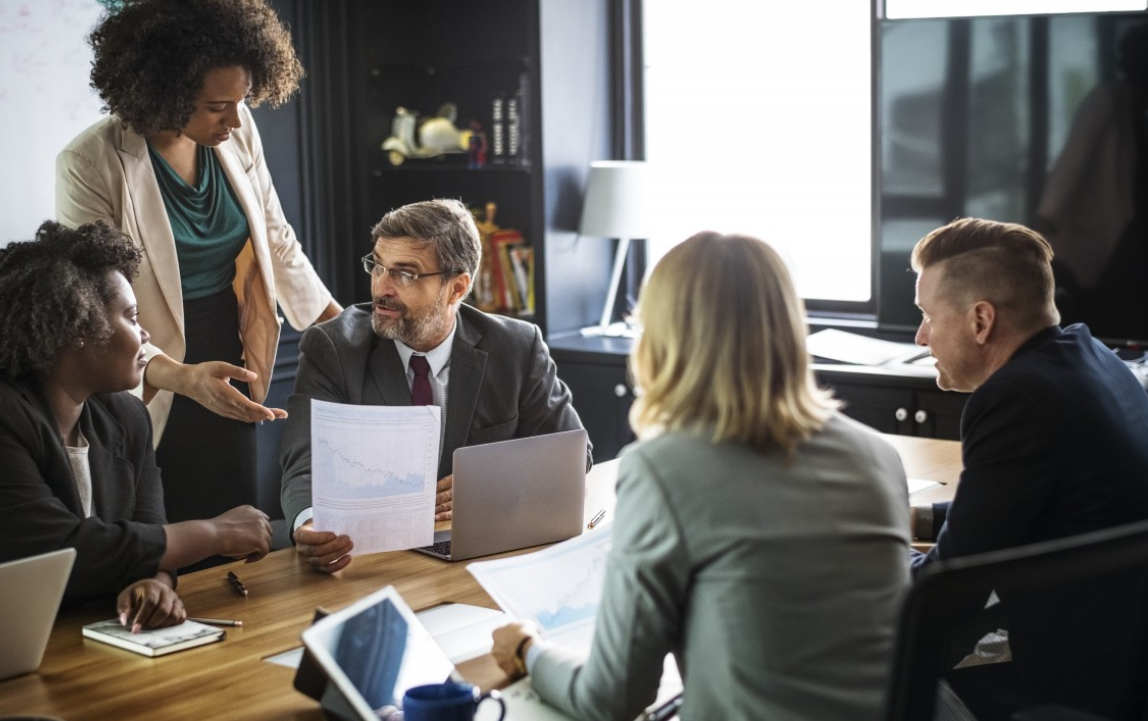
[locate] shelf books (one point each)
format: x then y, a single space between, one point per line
512 271
156 641
509 126
505 282
498 129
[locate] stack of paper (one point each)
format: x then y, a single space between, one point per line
843 347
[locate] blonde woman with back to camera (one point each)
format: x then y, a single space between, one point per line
760 536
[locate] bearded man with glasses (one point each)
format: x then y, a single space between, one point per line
416 342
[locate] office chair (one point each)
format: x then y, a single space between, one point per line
1077 614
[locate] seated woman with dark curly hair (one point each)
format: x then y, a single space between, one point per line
79 469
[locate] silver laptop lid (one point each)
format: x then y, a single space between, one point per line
30 593
518 493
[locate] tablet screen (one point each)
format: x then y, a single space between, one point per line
375 650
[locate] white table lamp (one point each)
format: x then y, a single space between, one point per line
617 206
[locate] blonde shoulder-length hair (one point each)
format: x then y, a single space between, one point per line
723 348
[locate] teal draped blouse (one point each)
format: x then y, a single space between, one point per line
209 225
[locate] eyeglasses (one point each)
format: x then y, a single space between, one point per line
402 278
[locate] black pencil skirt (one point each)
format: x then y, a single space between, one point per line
208 462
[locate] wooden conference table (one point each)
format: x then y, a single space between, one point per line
81 679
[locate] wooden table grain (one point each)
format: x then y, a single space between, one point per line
81 679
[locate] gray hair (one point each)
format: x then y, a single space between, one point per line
446 224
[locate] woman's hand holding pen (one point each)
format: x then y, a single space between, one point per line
150 603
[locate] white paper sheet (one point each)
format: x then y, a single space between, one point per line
462 631
373 473
920 484
848 347
558 588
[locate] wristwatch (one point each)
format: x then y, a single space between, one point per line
520 656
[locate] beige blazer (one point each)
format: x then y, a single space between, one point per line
105 173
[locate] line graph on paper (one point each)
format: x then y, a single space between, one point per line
361 473
558 588
370 452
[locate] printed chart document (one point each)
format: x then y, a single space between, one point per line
373 473
558 588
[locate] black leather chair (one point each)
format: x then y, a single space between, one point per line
1077 614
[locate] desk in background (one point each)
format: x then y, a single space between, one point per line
81 679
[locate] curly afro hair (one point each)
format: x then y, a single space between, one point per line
54 292
151 57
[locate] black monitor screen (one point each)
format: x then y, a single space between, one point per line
1039 120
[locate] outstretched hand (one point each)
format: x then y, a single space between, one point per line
209 384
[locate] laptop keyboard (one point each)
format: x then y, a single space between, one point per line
442 548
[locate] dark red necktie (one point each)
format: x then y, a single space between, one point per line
420 389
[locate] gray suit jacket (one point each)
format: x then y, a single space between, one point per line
774 583
503 385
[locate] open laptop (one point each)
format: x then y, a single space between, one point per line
515 494
30 593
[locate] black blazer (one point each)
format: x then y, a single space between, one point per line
1055 443
123 541
503 385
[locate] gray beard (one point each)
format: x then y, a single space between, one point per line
414 331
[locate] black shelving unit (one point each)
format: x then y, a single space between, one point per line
552 58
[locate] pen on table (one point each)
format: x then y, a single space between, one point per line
215 621
597 518
236 583
666 710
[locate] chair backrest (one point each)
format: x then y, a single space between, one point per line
1092 586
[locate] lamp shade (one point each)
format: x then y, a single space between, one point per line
617 201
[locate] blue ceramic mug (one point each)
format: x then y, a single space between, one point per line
446 702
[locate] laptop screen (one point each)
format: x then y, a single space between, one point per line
375 650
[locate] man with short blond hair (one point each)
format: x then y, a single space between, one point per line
1054 440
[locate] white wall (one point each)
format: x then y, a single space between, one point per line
44 102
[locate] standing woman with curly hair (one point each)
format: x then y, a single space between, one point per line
79 469
179 167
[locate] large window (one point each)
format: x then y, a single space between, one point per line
758 119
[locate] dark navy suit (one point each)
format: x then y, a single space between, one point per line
1054 443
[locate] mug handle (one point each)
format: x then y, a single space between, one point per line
493 695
